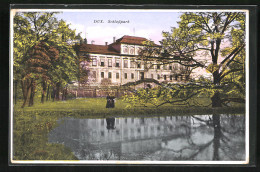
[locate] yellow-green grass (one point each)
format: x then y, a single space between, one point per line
96 107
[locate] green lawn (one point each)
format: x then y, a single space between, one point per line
97 107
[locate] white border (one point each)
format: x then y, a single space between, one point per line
16 162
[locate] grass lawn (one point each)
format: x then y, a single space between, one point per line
87 107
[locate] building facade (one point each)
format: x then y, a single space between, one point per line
118 63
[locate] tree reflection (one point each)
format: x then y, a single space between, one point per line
226 142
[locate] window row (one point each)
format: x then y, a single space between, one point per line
134 64
109 75
132 76
131 50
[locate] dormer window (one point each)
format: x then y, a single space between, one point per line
138 51
132 51
125 50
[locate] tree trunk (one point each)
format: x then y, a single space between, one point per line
31 100
63 94
217 134
57 96
26 86
44 87
66 93
215 99
53 93
47 94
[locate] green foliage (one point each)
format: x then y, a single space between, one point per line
204 34
42 51
30 133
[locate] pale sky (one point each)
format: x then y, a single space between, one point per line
143 24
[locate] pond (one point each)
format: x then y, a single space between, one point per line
158 138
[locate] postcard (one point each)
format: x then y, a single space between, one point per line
129 86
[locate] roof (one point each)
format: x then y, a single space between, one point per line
96 49
131 40
108 49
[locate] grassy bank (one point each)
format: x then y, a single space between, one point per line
30 138
95 107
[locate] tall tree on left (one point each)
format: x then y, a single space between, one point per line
39 48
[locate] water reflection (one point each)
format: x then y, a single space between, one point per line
197 137
110 123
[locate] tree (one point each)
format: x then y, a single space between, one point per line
219 37
42 53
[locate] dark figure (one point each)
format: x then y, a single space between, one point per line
110 123
110 102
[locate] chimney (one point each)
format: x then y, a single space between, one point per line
92 42
85 41
105 43
114 39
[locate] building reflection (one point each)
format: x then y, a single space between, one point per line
199 137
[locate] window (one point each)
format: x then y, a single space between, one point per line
142 75
117 75
170 77
132 51
132 64
158 76
164 77
117 62
165 67
126 120
139 130
109 62
102 133
109 75
125 63
102 74
170 67
152 76
132 76
125 50
125 75
139 65
158 66
102 62
138 51
94 62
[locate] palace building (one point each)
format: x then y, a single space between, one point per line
117 64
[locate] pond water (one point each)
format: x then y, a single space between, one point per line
160 138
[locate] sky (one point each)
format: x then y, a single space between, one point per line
141 23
